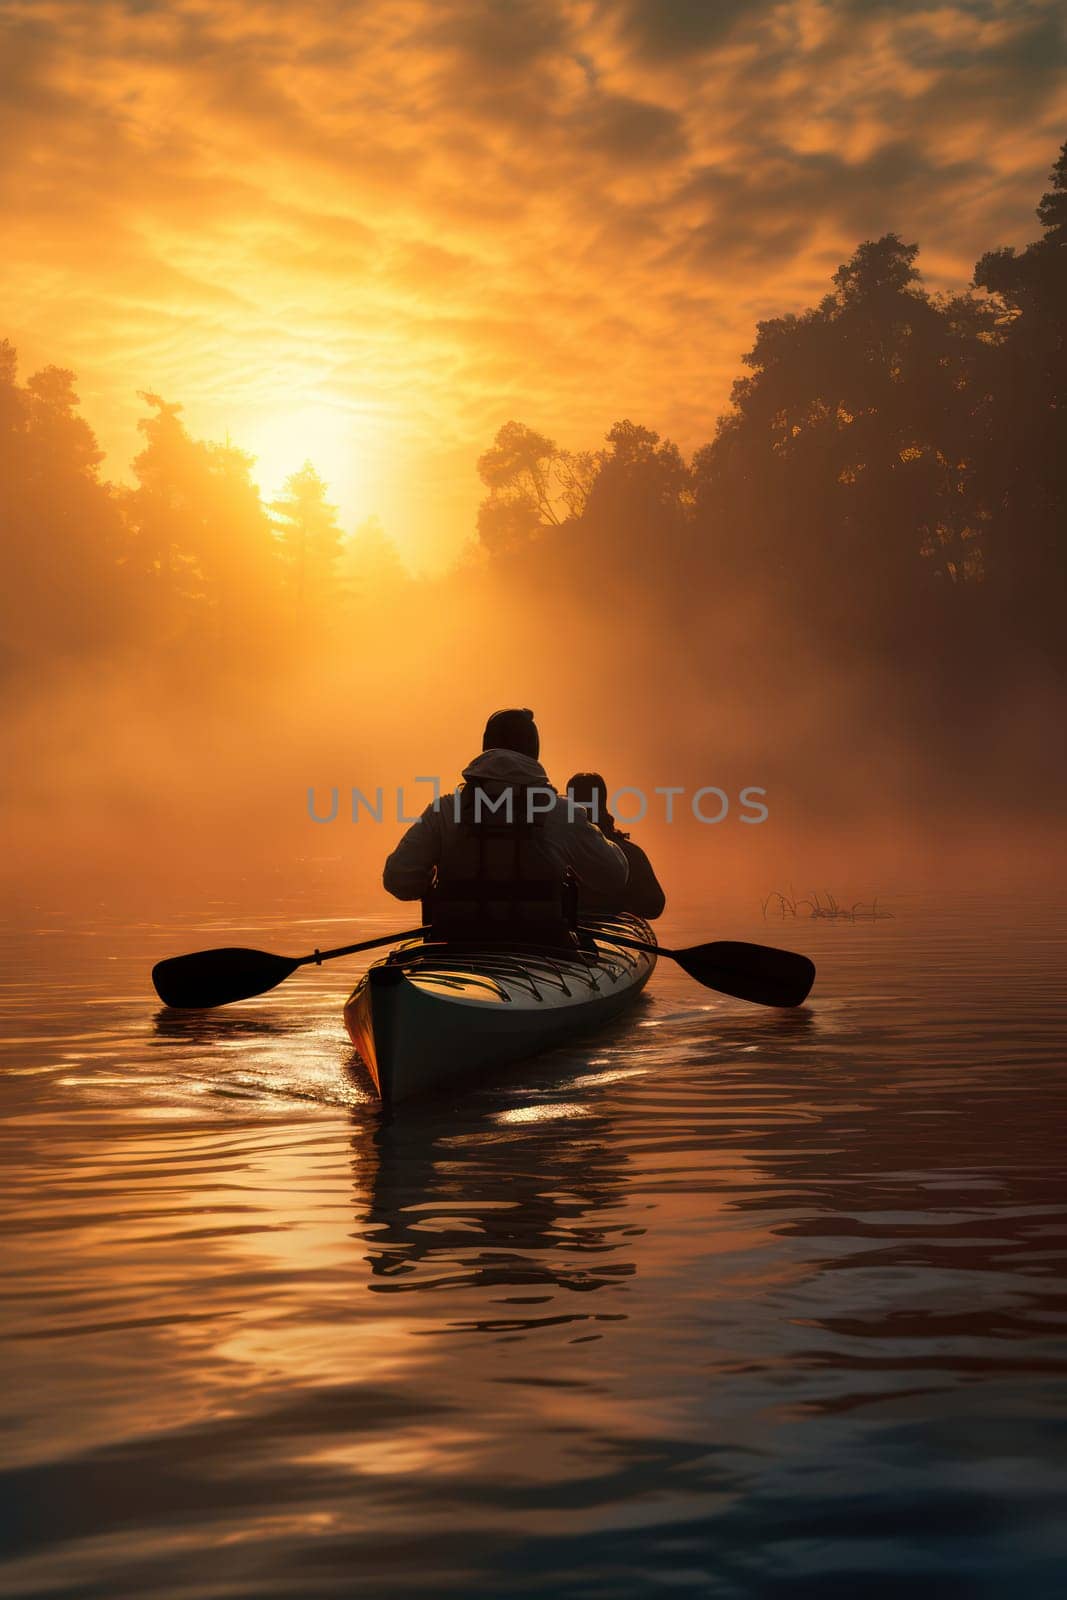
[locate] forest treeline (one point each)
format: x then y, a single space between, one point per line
885 492
189 561
892 460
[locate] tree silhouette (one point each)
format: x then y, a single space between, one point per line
1025 464
62 592
533 485
200 534
309 535
371 572
165 510
847 461
642 489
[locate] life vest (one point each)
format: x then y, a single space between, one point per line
496 879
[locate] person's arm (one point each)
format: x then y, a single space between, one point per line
597 863
644 896
409 869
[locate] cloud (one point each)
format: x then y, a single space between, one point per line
627 130
680 28
441 214
755 214
501 36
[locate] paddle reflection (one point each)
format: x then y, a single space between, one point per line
223 1026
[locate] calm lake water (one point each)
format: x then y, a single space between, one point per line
724 1302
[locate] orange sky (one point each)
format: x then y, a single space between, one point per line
371 233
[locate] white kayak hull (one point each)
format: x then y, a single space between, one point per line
424 1017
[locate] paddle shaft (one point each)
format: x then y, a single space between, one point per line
632 944
635 944
317 957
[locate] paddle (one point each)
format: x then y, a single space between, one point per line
207 978
755 972
216 977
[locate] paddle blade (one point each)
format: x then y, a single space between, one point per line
216 977
755 972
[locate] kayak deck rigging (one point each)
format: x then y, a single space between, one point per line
528 967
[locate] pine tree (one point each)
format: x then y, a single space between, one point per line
309 534
371 567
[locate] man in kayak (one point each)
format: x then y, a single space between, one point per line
492 858
641 892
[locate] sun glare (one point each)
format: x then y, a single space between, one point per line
334 438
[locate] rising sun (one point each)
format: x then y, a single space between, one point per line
333 437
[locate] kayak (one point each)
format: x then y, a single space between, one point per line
431 1013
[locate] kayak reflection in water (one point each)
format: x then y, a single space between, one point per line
492 859
641 892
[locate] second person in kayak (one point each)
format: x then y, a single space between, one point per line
641 893
492 858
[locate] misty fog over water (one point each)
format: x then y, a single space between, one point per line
850 597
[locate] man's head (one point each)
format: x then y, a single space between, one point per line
513 730
589 789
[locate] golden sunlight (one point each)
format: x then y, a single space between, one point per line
337 438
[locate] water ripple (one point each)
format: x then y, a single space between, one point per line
722 1303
